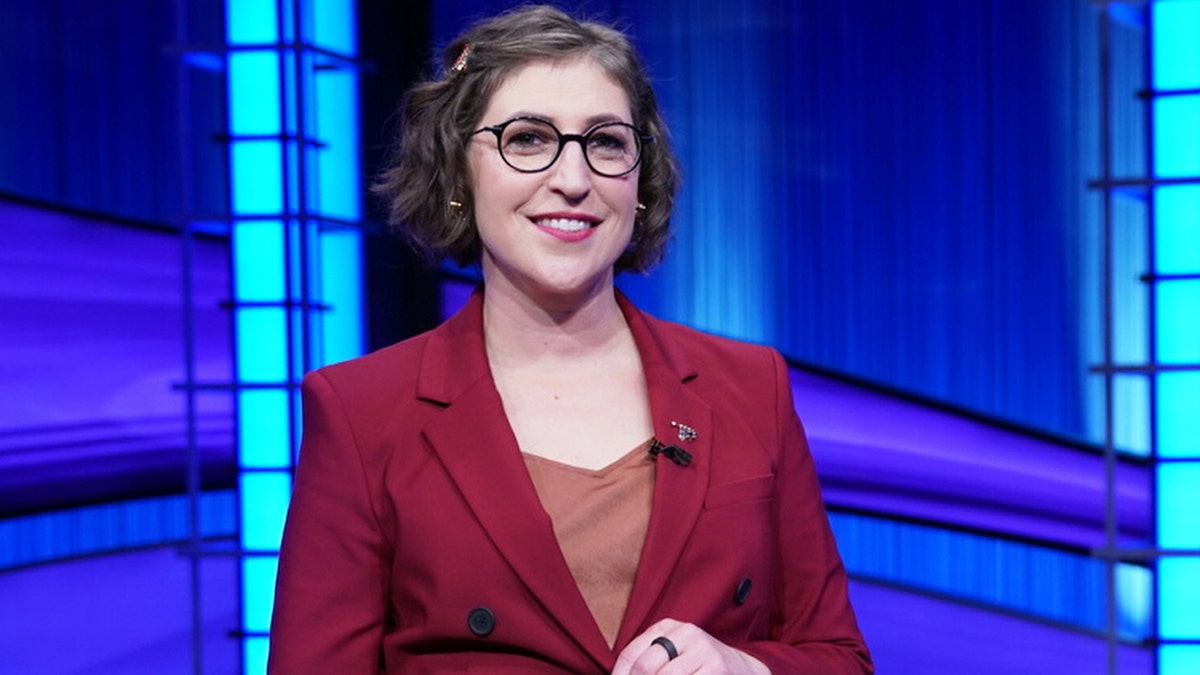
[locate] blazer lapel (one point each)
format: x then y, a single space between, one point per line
678 490
475 443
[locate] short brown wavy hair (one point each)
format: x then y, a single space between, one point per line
428 169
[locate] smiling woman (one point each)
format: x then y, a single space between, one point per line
490 494
555 234
426 187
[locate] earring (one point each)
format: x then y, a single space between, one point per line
635 237
458 213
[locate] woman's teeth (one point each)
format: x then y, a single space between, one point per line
565 224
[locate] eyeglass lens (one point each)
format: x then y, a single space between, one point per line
611 149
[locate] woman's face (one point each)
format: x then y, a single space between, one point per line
552 236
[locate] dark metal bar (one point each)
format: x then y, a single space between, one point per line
1159 278
283 137
187 266
321 221
286 303
261 469
232 386
1145 368
184 48
1110 182
1152 322
1147 554
1175 460
1147 94
1110 450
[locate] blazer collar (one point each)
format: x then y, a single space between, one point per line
455 356
477 446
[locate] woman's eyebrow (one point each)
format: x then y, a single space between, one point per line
588 123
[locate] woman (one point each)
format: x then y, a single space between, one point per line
552 481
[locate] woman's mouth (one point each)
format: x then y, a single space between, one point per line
567 228
564 224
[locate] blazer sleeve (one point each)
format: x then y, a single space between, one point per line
813 628
332 589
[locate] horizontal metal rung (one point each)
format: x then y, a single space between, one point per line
281 304
1159 278
1145 368
1147 94
1144 554
233 386
282 137
1100 184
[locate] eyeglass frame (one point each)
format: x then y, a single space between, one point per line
498 129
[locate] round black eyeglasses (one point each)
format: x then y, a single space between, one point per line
530 145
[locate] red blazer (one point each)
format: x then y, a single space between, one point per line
416 543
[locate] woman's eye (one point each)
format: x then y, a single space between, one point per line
526 139
609 143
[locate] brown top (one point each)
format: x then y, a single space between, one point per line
600 519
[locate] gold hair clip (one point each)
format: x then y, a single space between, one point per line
460 64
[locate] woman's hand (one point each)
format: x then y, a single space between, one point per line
698 652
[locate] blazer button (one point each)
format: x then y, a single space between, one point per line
481 621
741 592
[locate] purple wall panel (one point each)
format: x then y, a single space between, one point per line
887 454
92 345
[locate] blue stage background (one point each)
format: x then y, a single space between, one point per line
890 191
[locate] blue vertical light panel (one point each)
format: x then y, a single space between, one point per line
1175 110
295 209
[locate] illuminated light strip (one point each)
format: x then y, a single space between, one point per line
54 536
1040 582
297 279
1175 65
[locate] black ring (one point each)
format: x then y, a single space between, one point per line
672 652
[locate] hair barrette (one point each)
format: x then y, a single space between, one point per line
460 64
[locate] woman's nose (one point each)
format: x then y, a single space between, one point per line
570 173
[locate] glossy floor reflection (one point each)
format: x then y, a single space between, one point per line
120 614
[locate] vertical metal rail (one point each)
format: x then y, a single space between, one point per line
1174 630
187 271
304 219
194 483
1106 274
1151 328
194 476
